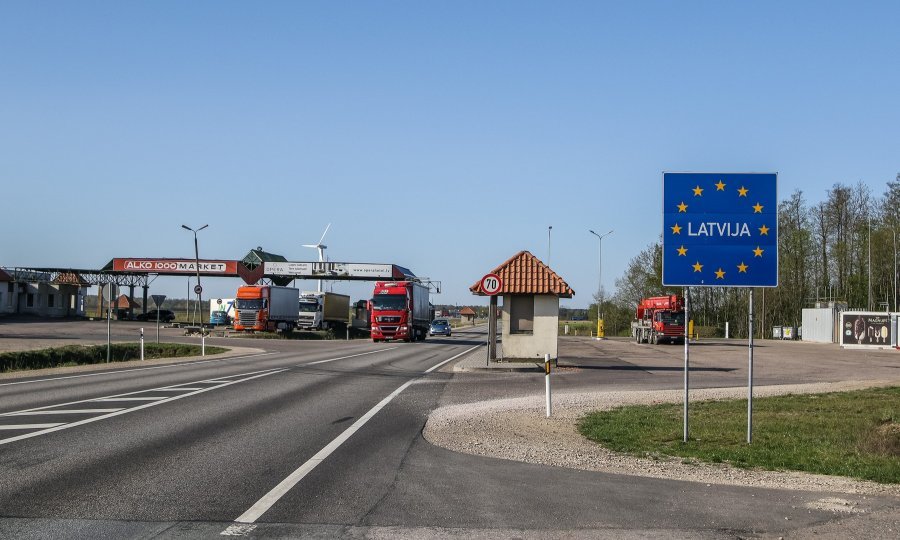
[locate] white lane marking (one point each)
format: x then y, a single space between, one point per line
269 499
135 369
255 375
29 426
137 398
177 389
61 411
345 357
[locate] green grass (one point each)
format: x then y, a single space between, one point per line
580 328
75 355
854 434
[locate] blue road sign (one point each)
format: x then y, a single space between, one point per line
720 229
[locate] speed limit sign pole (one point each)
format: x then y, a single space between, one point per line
491 285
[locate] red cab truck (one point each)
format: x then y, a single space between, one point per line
262 308
400 310
659 319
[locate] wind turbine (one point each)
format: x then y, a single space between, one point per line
321 248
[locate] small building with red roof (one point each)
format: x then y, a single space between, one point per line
531 293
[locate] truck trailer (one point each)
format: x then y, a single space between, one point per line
400 310
659 319
261 308
321 310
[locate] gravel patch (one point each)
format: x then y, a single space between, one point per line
518 429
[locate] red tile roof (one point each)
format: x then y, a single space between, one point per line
4 276
467 311
123 302
71 278
524 273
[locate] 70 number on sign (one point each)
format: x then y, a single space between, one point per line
491 284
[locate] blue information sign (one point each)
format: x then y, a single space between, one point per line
720 229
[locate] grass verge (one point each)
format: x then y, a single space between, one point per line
76 355
854 434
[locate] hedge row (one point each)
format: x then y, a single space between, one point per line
75 355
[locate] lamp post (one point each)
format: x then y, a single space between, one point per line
600 238
197 289
549 252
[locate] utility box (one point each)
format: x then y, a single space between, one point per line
821 324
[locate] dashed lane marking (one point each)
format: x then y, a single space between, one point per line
346 357
61 411
29 426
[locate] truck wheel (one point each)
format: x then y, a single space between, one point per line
653 339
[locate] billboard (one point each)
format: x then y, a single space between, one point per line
174 266
328 270
720 229
866 329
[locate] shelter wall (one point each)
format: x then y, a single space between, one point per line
541 340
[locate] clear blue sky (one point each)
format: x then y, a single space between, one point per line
440 136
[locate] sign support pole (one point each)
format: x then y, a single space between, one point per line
687 353
750 376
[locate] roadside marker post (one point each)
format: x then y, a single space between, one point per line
547 379
142 344
202 342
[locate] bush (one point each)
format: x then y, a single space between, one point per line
76 355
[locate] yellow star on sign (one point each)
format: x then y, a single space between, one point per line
742 192
720 186
676 229
757 209
720 274
682 207
698 191
758 252
697 266
682 251
742 268
764 231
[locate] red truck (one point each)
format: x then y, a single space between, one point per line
399 310
659 319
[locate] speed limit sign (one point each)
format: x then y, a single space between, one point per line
491 284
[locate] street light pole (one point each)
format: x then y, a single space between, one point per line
198 289
549 230
600 238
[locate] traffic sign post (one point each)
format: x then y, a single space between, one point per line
491 285
720 230
109 291
158 299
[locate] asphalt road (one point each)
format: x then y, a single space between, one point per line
199 449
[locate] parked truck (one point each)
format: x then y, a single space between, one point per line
221 311
321 310
399 310
659 319
265 307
